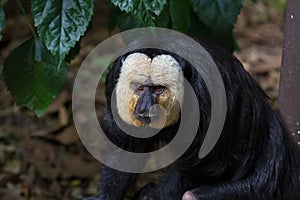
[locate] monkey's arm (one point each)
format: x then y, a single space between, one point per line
171 186
115 184
230 191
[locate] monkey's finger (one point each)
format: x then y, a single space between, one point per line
189 196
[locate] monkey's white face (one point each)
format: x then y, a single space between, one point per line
150 92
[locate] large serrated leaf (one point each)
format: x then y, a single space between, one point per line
180 12
144 10
122 19
2 20
60 23
198 28
218 14
32 75
164 19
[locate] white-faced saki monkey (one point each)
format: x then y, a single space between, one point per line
254 158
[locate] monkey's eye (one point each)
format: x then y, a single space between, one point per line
159 89
140 88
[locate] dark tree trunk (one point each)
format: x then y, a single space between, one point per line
289 95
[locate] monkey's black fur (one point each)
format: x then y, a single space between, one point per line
254 159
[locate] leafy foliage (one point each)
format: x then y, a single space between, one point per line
144 10
2 20
32 76
60 23
210 19
123 20
180 12
34 72
219 15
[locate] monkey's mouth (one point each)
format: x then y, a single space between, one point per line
147 118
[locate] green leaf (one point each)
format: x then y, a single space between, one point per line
2 20
198 28
218 14
144 10
163 20
73 52
180 12
122 19
60 23
127 22
114 14
32 75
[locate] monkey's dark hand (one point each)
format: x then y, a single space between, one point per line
148 192
188 196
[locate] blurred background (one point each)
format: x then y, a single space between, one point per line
43 158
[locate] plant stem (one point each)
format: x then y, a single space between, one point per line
27 19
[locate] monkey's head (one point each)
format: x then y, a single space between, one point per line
149 91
